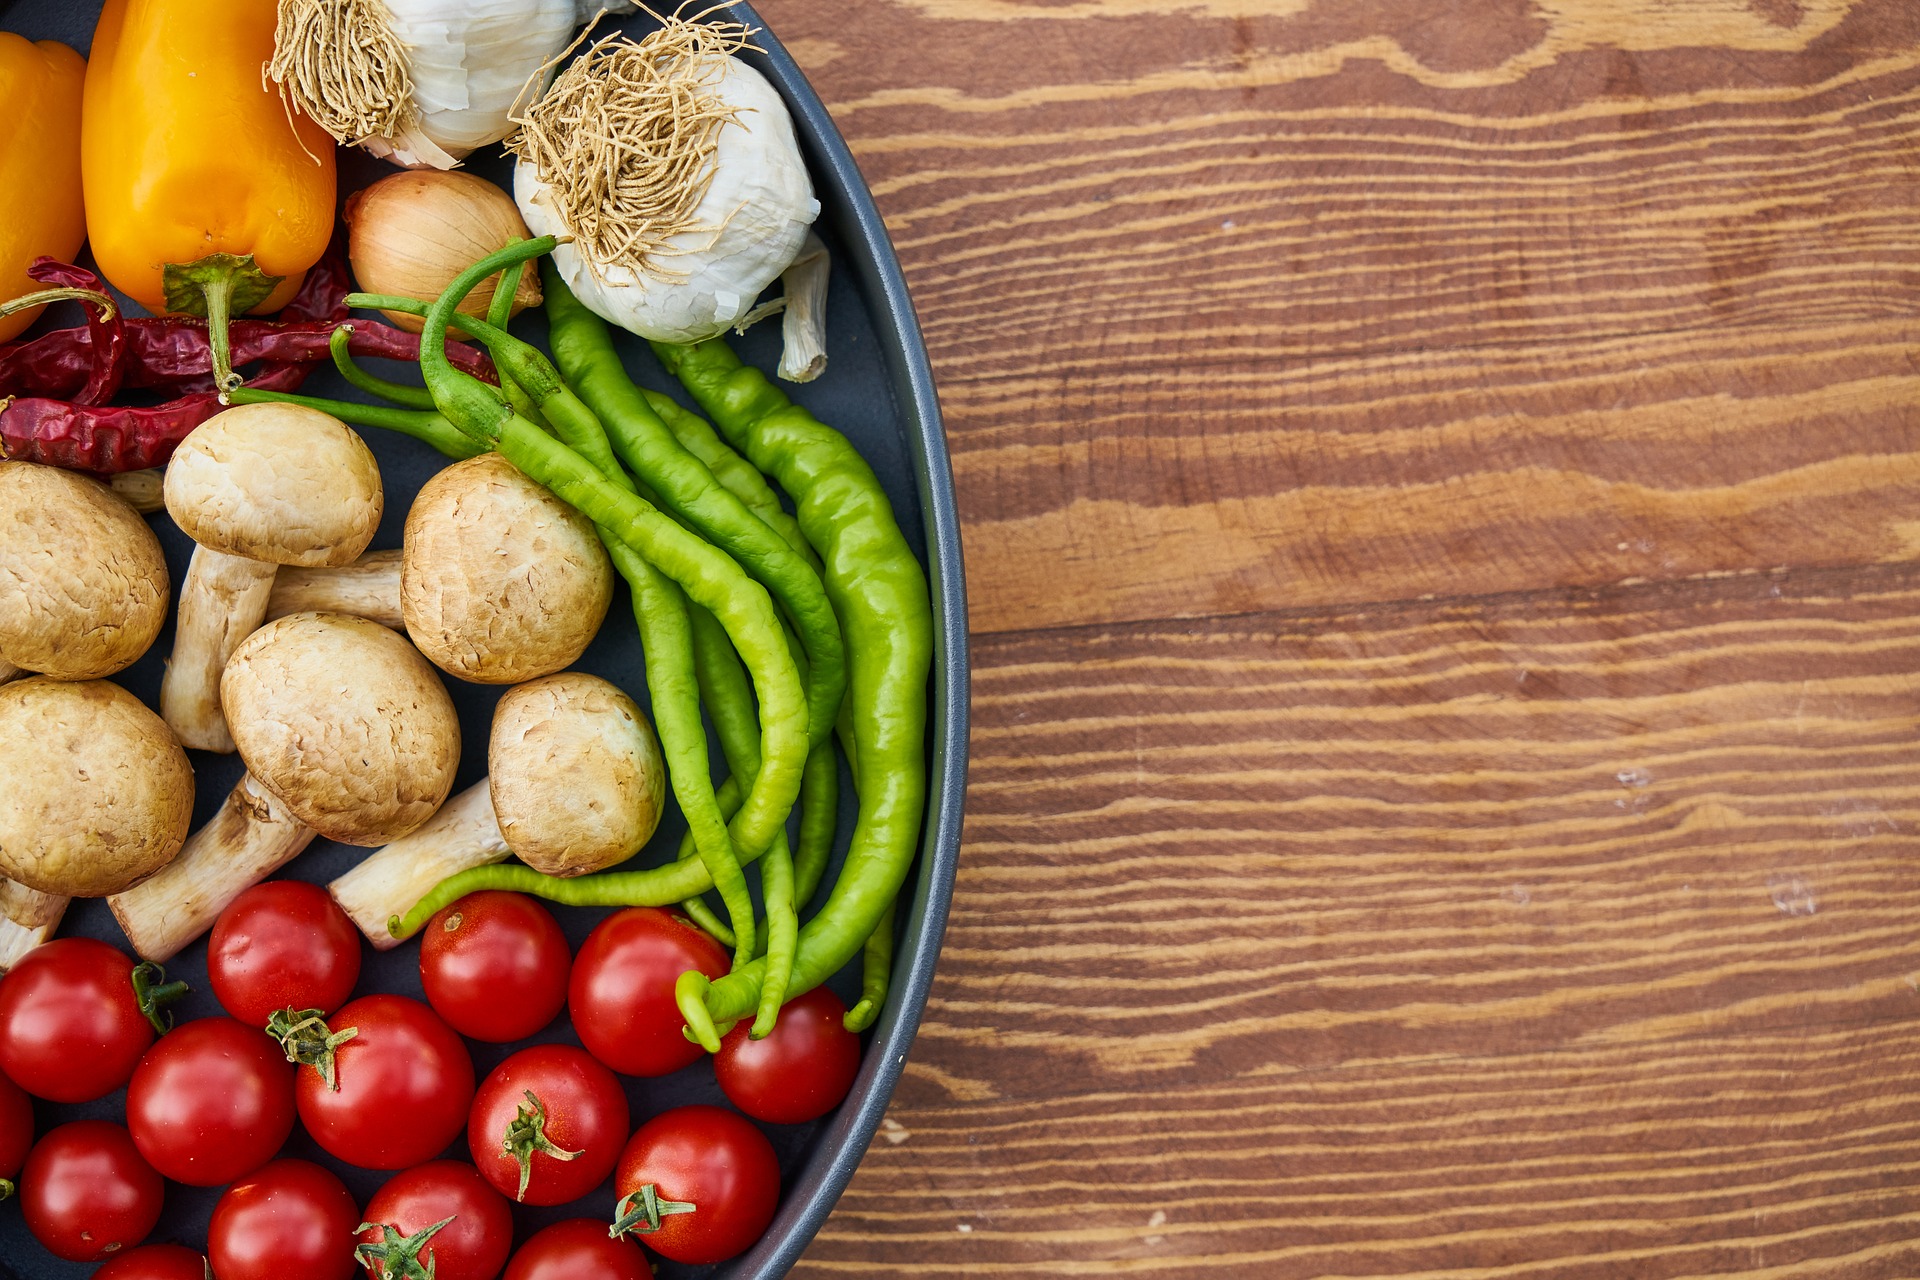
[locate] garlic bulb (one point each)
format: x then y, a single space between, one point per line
674 167
412 233
420 82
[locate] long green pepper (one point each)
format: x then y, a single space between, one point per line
880 594
583 349
708 576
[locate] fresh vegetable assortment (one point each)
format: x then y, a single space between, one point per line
659 189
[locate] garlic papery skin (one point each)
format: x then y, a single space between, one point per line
752 222
411 233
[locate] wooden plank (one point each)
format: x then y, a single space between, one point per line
1226 859
1077 185
1246 306
1201 490
1753 1155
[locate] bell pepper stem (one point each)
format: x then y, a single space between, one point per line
216 288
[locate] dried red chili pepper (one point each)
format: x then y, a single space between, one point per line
171 353
107 439
106 335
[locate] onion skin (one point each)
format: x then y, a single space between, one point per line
411 233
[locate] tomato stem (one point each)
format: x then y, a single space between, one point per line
644 1217
394 1256
528 1134
153 993
304 1034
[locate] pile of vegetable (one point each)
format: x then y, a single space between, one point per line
659 189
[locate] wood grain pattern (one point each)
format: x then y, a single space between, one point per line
1439 485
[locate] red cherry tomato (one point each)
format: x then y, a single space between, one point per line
212 1101
86 1193
404 1084
494 965
474 1246
16 1131
621 995
290 1219
282 945
576 1105
800 1071
70 1025
155 1262
578 1249
706 1158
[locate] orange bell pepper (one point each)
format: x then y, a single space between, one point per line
40 211
203 197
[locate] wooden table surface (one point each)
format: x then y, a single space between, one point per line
1439 481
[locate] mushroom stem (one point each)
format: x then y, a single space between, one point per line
7 671
141 489
368 588
463 835
222 602
27 919
251 837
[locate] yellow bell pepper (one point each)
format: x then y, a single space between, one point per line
40 210
202 195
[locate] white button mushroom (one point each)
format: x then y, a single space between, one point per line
97 793
575 784
257 486
83 587
346 733
501 581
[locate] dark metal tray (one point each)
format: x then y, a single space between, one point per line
879 390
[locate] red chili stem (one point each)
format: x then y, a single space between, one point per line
106 358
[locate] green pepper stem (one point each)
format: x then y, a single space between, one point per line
423 425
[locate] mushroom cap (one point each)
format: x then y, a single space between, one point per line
276 482
345 723
501 581
576 775
83 586
98 794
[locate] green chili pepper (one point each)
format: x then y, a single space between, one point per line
500 310
876 970
398 393
583 349
734 472
423 425
879 591
723 685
